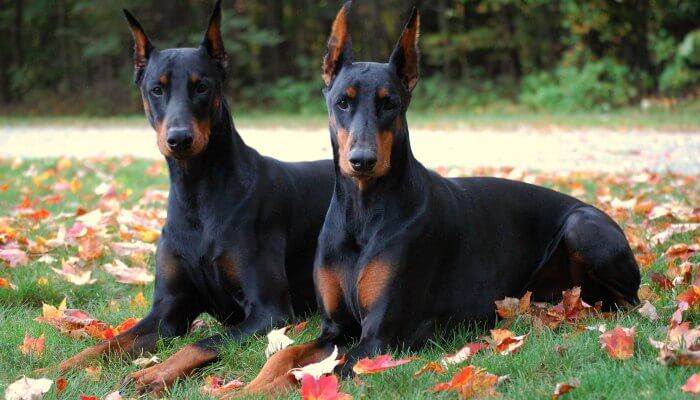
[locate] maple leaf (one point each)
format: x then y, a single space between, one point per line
33 346
72 272
298 328
114 396
671 230
277 340
462 354
133 249
124 326
511 307
323 367
138 302
61 385
677 316
143 362
128 275
323 388
89 247
14 257
215 386
563 388
692 385
5 284
28 389
94 372
470 381
504 342
430 367
648 311
619 342
378 364
690 296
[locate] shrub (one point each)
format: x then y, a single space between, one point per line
598 85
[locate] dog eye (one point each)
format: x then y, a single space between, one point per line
343 104
157 90
389 105
201 88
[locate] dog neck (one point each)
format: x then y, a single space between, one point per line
221 167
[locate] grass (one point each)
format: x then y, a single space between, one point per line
685 116
533 371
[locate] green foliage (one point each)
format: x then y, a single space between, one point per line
599 85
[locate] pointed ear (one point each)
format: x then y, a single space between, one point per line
213 42
142 45
339 46
405 55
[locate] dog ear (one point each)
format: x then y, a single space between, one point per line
213 42
339 45
142 45
405 55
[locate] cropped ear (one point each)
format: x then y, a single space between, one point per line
142 45
213 42
405 55
339 45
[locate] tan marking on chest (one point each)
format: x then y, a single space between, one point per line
372 281
329 287
228 264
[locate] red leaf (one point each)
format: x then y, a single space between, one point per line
378 364
300 326
619 342
323 388
14 257
505 342
692 385
61 385
470 381
33 346
661 281
511 307
463 354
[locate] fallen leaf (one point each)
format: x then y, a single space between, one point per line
511 307
28 389
504 342
298 328
619 342
128 275
114 396
89 247
72 272
663 282
432 366
14 257
469 382
143 362
677 316
692 385
648 311
671 230
462 354
138 302
215 386
323 388
61 385
33 346
94 372
277 340
563 388
323 367
378 364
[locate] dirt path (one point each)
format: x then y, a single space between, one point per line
565 150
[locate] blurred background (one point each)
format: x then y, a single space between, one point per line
73 57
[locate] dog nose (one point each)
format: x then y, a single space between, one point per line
362 160
179 139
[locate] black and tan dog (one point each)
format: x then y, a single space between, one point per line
241 230
404 250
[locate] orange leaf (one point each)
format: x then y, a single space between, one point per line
462 354
90 247
563 388
692 385
511 307
505 342
323 388
378 364
469 382
430 367
214 386
300 326
619 342
61 385
33 346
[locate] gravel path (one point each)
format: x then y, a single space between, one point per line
554 150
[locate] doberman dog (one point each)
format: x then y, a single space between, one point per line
240 235
403 250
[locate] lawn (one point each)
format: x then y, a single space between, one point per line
130 194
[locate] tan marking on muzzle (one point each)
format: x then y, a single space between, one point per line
162 138
343 150
201 131
385 140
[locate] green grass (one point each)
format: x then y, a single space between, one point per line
533 371
685 116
